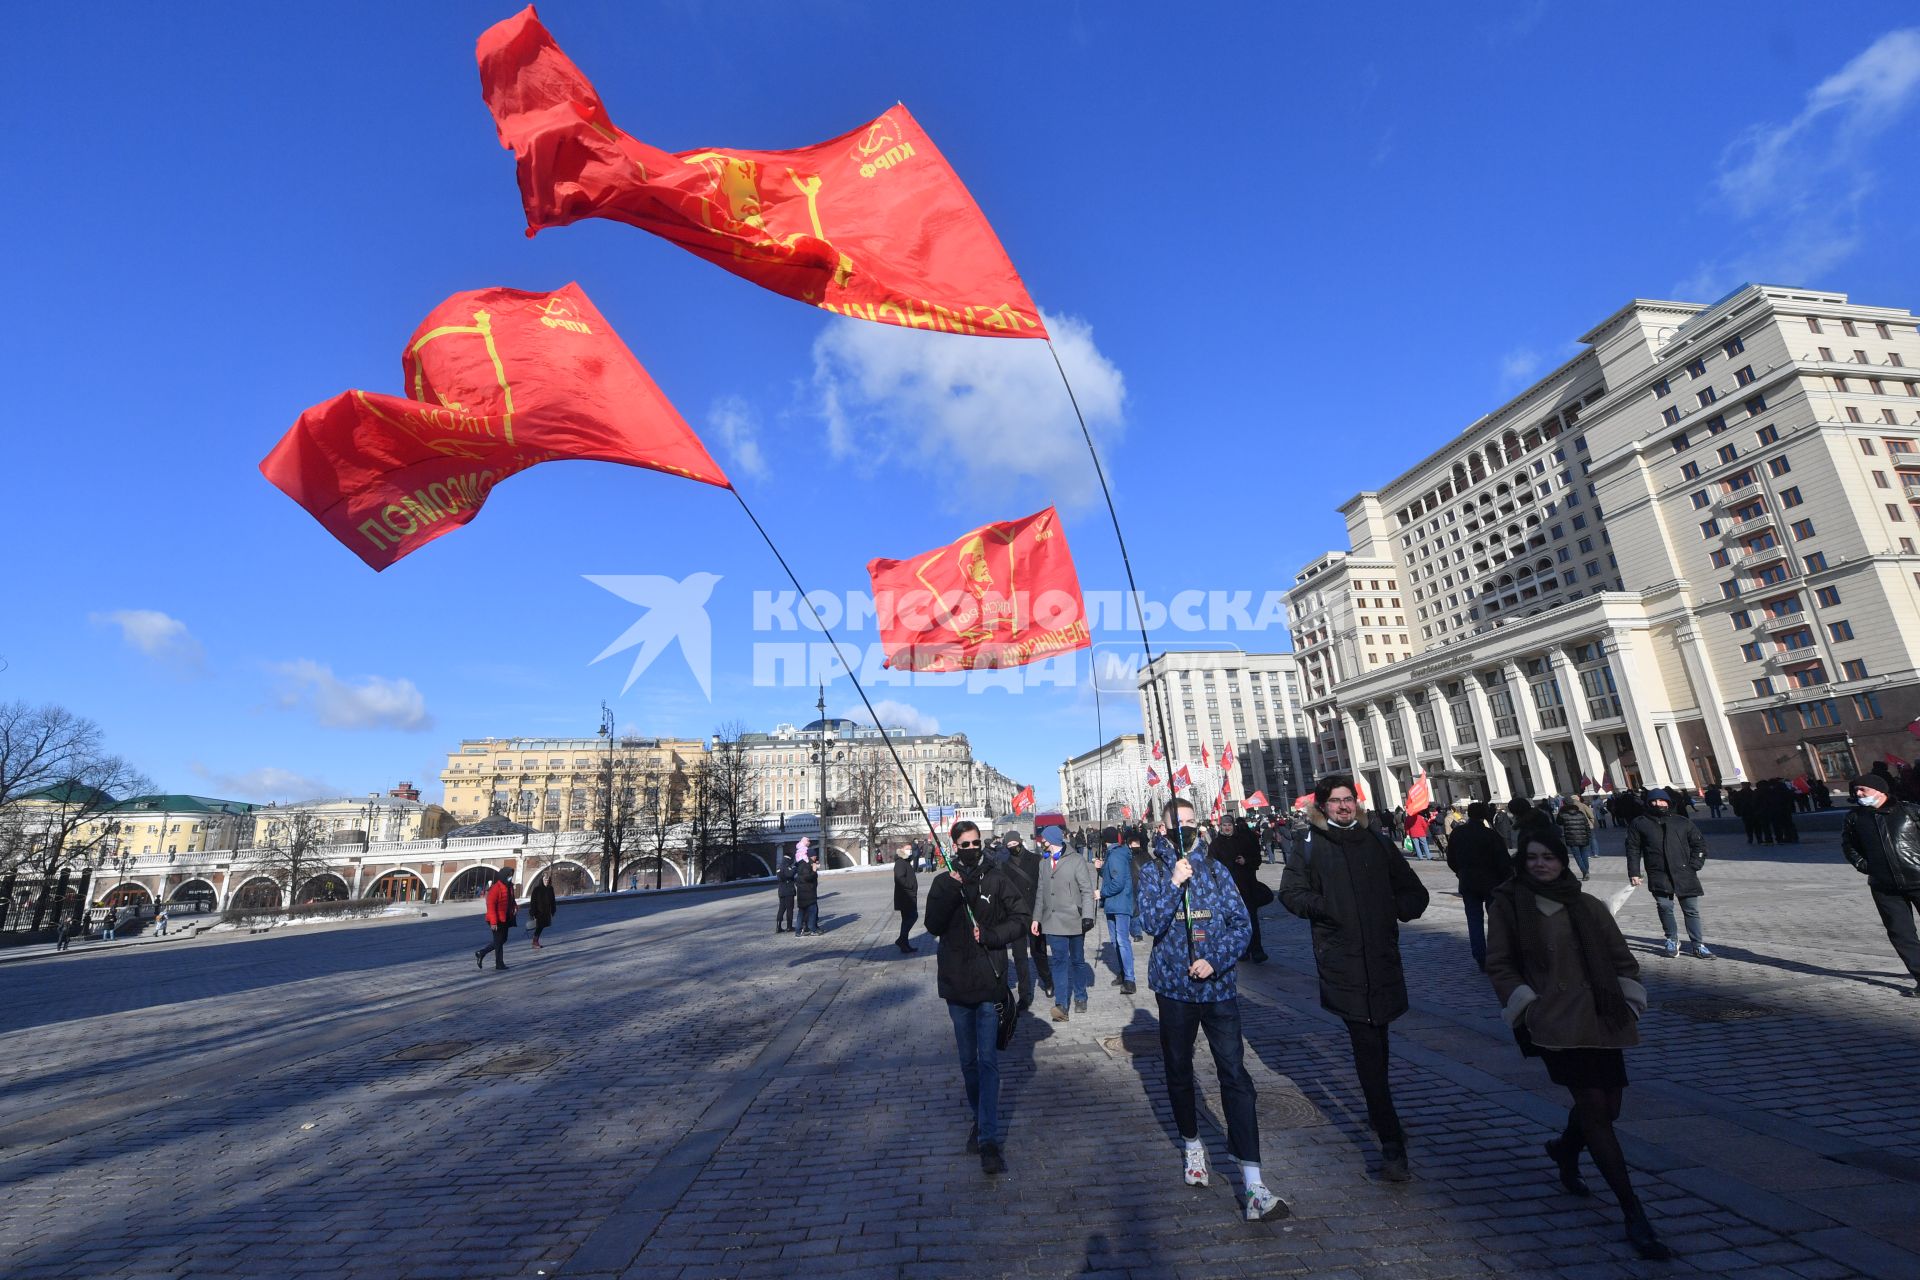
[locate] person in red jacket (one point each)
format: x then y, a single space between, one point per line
500 916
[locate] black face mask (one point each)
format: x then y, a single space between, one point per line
967 857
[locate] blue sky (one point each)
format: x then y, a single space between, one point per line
1289 251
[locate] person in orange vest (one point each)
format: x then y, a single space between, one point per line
501 911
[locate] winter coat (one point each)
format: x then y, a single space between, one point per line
1417 825
1503 827
1064 896
785 877
906 886
1355 889
970 971
541 903
806 881
1478 858
1884 845
1673 852
1576 828
1556 1002
1209 904
1116 882
1025 868
500 908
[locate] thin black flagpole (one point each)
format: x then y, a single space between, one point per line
1140 617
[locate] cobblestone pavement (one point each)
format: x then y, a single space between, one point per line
670 1090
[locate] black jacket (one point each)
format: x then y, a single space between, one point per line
1479 858
1025 865
1673 851
906 886
807 883
969 971
786 874
1575 829
1884 845
540 904
1355 889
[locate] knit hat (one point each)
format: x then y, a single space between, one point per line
1871 781
1055 836
1659 793
1014 841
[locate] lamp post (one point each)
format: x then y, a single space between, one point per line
821 706
607 867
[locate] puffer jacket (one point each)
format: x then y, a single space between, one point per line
1672 851
1555 1000
974 971
1576 828
1064 895
1356 889
1884 845
500 904
1205 916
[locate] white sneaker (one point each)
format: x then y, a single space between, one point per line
1196 1166
1263 1204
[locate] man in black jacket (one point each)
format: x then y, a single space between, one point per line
1029 954
1671 851
1479 859
1356 887
976 911
1881 839
906 896
783 916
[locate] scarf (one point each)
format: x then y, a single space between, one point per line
1594 959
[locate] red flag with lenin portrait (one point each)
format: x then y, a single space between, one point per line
497 380
873 224
997 596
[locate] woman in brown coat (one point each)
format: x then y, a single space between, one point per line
1570 988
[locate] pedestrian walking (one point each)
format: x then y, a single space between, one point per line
1576 832
1117 899
787 887
1356 888
906 896
806 890
1481 863
1200 924
160 921
1063 913
1028 952
541 904
1713 800
1418 825
1671 851
1881 838
975 910
1242 861
501 914
64 934
1570 991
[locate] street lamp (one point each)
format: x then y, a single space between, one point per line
821 706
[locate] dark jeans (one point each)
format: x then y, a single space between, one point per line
1690 908
907 917
783 919
539 927
1253 947
1583 855
1896 913
975 1028
1476 926
1370 1064
1069 953
1026 960
1180 1023
810 916
498 946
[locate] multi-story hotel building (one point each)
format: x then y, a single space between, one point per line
1249 701
1685 555
785 768
1107 784
550 784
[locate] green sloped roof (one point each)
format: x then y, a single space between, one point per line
71 793
184 804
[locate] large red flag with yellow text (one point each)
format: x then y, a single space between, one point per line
497 380
873 224
997 596
1420 794
1022 800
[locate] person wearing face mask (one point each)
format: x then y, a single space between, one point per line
1881 838
976 910
1672 851
1062 914
1571 992
1357 889
1199 924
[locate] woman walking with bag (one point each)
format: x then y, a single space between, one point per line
1572 997
541 905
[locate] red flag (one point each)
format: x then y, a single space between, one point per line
1420 794
1180 779
1153 779
497 380
1219 805
1022 800
1204 762
1126 811
1301 802
1156 751
1258 800
1586 783
1894 760
997 596
873 224
1226 756
1359 790
1799 784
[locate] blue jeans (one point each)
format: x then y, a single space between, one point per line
1180 1023
1420 848
1690 908
1120 929
1068 952
1476 926
975 1027
810 917
1582 854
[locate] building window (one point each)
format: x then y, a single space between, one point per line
1744 375
1809 677
1700 499
1841 630
1768 434
1697 368
1826 354
1706 396
1790 497
1779 466
1709 528
1740 619
1770 575
1661 387
1720 559
1755 406
1798 638
1733 347
1853 414
1689 471
1893 512
1751 651
1866 446
1802 529
1813 325
1816 562
1880 480
1728 453
1866 706
1671 415
1854 669
1828 596
1775 721
1716 424
1846 327
1763 686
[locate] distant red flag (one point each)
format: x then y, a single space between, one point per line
497 380
1258 800
1301 802
1799 784
1226 756
1126 811
1180 779
1153 779
1022 800
874 224
1219 804
1894 760
1156 751
996 596
1204 762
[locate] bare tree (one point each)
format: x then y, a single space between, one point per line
660 798
733 777
617 808
72 823
871 793
41 746
296 848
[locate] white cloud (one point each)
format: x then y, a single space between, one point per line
733 422
159 636
1518 366
370 702
968 410
264 783
1801 187
895 715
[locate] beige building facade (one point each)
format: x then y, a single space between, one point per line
1107 784
1687 555
551 784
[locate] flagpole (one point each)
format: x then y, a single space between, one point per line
906 777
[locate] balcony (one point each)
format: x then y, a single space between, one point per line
1754 557
1750 527
1903 457
1799 618
1738 497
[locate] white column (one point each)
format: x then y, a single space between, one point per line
1521 691
1574 698
1483 730
1631 674
1713 711
1443 722
1388 782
